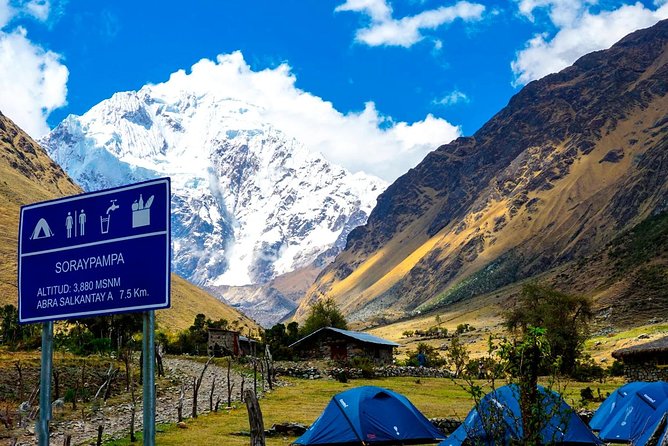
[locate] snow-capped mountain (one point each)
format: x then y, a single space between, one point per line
248 201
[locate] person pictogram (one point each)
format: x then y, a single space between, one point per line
69 223
82 222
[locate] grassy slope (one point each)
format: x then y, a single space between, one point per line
28 175
580 195
302 401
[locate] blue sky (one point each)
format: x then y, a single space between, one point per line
459 62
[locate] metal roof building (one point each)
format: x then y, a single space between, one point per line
342 345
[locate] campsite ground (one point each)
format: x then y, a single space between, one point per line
302 401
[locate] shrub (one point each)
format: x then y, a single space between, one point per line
434 358
586 370
586 395
69 395
615 369
364 364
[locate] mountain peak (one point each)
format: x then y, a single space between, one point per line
249 201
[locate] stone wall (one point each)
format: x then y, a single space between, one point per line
647 371
223 342
306 372
446 425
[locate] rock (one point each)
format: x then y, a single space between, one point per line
613 156
289 428
182 425
445 425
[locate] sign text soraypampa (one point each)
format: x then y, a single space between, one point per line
98 253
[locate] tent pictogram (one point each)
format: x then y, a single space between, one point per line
42 230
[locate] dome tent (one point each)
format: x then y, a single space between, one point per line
499 412
640 414
370 415
609 407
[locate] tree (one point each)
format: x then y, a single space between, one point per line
15 335
113 332
523 360
563 316
457 355
519 360
324 313
10 328
292 332
431 353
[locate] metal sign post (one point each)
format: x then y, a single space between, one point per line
148 347
94 254
45 385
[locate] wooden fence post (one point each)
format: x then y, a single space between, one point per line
254 419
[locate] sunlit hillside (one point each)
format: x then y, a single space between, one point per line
28 175
574 161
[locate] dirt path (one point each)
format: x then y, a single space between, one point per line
116 418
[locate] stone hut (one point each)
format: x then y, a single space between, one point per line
248 346
223 342
342 345
645 362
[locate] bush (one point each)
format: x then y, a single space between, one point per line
463 328
483 368
434 358
586 395
70 394
615 369
364 364
587 370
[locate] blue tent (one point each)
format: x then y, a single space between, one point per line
639 416
609 407
370 415
498 416
660 428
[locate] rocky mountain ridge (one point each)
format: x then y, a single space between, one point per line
573 160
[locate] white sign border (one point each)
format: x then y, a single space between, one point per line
166 304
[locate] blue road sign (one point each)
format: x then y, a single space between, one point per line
98 253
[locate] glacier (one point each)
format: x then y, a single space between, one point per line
249 202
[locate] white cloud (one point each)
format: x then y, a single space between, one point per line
378 10
6 13
39 9
579 32
35 76
561 12
452 98
407 31
36 79
367 140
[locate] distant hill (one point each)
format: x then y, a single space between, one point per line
563 184
28 175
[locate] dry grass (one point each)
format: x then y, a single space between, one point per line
578 195
601 347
